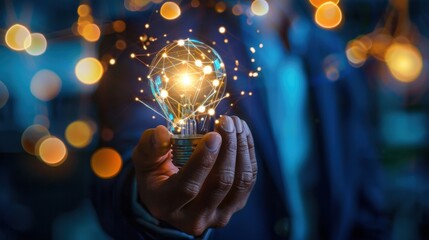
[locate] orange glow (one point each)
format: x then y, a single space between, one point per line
119 26
79 134
237 10
45 85
52 151
220 7
106 163
328 15
136 5
91 32
120 44
15 37
380 44
31 136
404 62
318 3
83 10
170 10
89 70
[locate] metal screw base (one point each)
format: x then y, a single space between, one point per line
183 146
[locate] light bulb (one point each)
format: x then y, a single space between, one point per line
187 79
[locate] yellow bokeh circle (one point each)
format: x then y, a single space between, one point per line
78 134
89 70
404 62
15 37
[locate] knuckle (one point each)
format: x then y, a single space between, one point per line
231 145
191 188
197 227
244 180
222 220
242 141
224 181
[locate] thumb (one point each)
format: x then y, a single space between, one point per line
152 149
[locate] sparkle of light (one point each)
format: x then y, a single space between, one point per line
15 37
201 109
36 43
89 70
222 30
91 32
328 15
52 151
404 61
170 10
216 83
211 112
164 93
31 136
45 85
79 134
112 61
260 7
207 69
318 3
106 163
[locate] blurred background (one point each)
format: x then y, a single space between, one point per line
50 68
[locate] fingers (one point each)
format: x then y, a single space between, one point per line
152 148
221 177
252 154
244 175
190 179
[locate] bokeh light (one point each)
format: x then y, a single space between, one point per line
31 137
106 163
89 70
15 37
52 151
170 10
136 5
220 7
83 10
36 43
259 7
328 15
404 61
119 26
45 85
91 32
79 134
318 3
4 94
356 53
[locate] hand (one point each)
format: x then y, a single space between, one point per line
214 184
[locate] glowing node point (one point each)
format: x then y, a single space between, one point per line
216 83
112 61
207 69
235 78
242 93
252 49
181 42
201 109
132 55
222 30
164 94
146 25
211 112
198 63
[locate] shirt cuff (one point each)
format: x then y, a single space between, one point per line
152 226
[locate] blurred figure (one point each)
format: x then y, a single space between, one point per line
318 173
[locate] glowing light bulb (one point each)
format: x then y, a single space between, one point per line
196 82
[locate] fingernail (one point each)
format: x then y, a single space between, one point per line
227 124
213 142
238 126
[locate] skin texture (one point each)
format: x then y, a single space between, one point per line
214 184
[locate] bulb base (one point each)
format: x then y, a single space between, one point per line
182 147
